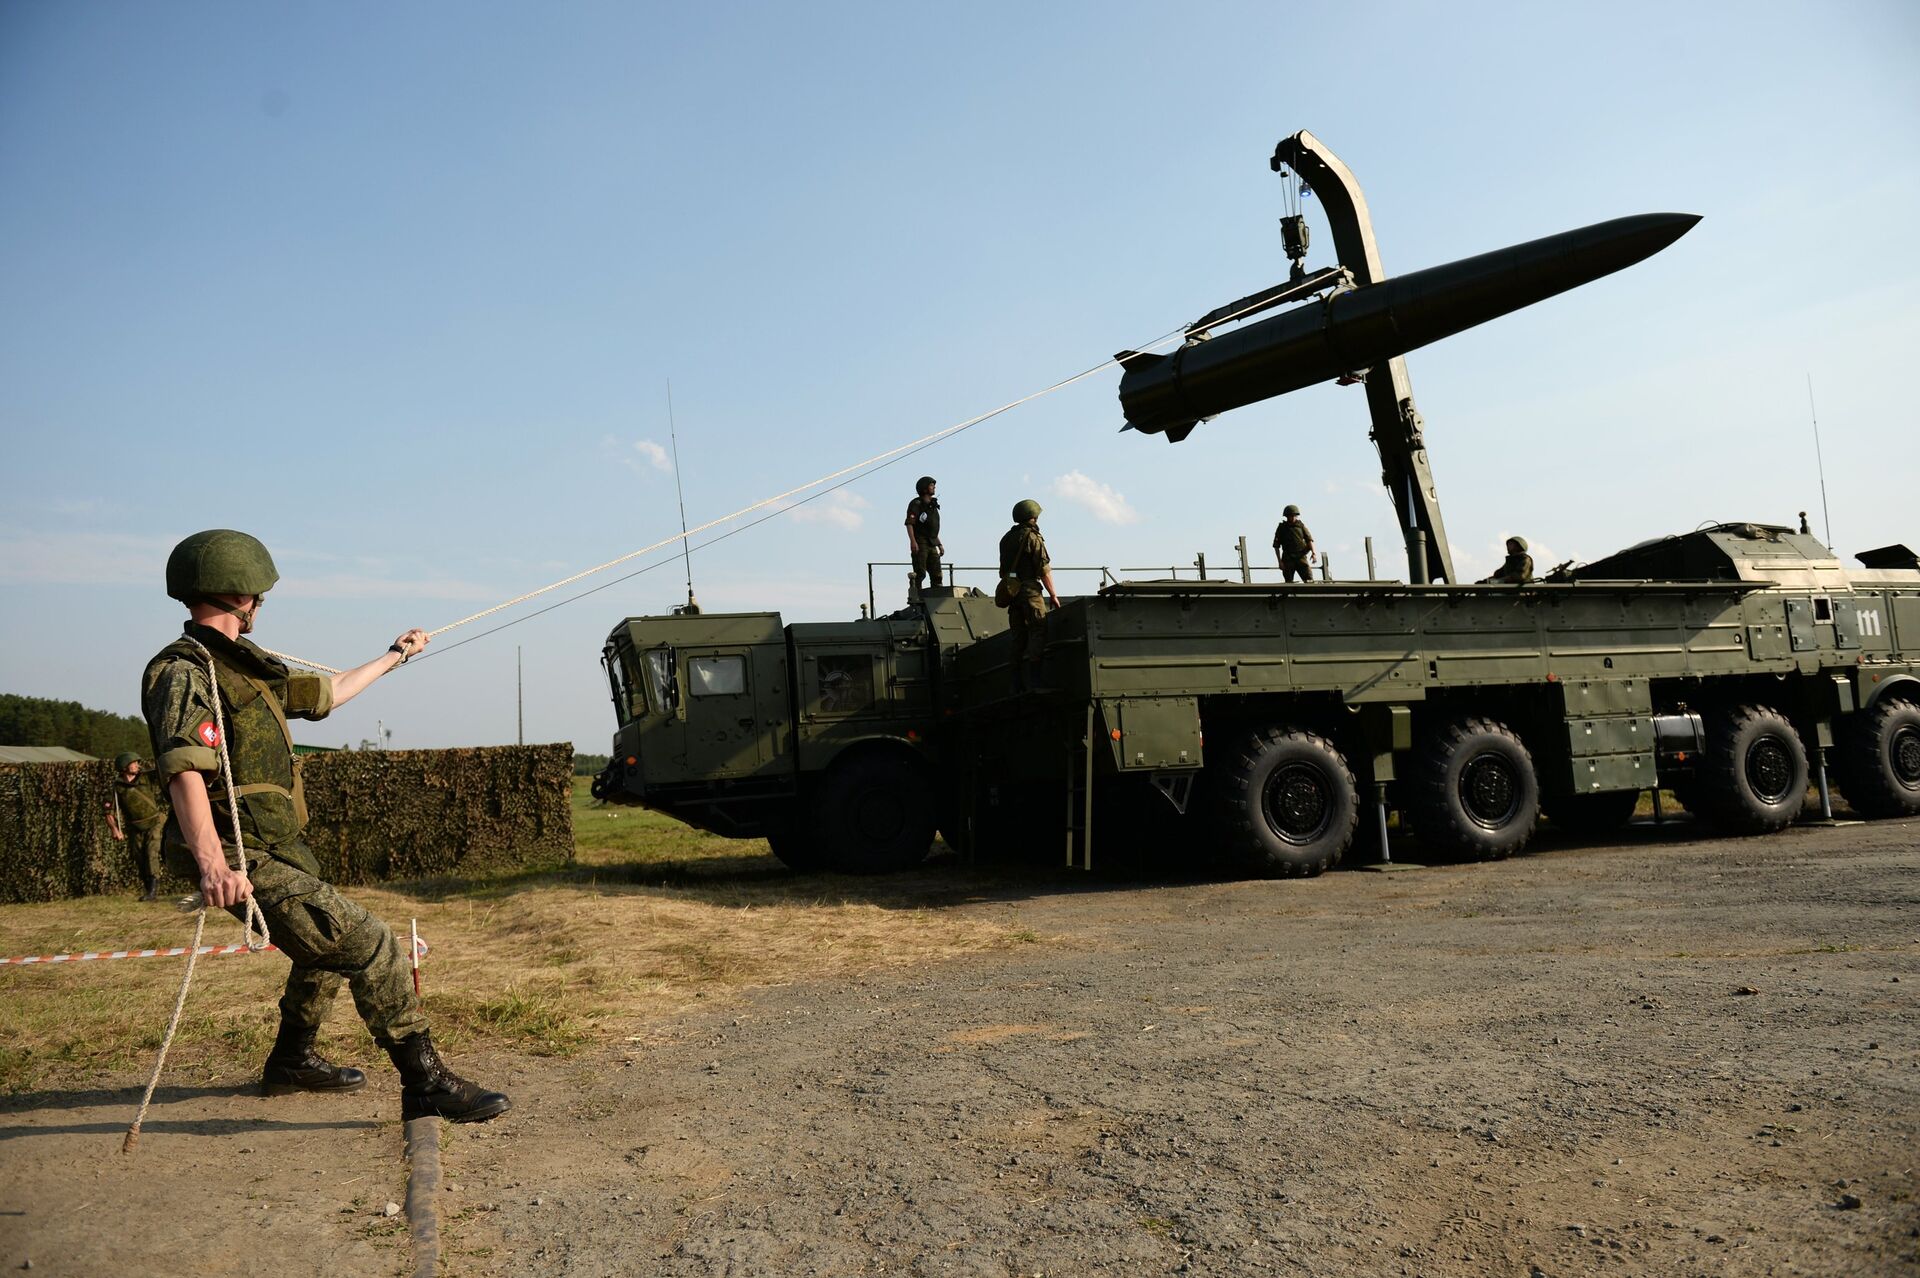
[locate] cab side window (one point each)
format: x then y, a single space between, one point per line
717 676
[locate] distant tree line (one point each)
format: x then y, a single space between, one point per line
586 765
40 721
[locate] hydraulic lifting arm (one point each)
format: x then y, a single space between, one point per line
1396 429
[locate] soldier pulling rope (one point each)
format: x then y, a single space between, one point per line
214 700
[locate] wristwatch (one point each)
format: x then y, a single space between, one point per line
404 654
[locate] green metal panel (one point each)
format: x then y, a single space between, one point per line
1906 623
1846 624
1801 629
1613 772
1765 643
1606 696
1626 734
1153 733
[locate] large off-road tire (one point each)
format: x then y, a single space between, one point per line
1878 760
1287 804
1591 814
874 814
1473 794
797 848
1752 777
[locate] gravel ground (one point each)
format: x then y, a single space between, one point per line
1654 1056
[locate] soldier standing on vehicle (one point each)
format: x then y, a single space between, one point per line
138 799
1293 545
1518 567
231 729
1024 572
923 537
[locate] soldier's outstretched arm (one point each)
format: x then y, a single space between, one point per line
351 683
220 883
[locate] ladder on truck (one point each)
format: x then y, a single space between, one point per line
1079 835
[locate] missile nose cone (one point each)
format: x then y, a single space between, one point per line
1666 227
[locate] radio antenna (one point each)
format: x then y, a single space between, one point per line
686 545
1826 515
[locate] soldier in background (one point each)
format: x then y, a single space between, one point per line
1293 544
204 722
138 799
923 537
1024 572
1518 567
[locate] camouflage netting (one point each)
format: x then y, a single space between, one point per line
408 814
53 832
376 815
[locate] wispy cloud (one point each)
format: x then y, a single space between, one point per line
838 509
1097 498
641 456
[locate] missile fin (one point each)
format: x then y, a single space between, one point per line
1134 361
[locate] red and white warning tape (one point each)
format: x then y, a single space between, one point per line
173 952
420 949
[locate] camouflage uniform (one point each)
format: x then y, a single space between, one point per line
1293 540
143 810
1023 554
923 516
1516 569
329 939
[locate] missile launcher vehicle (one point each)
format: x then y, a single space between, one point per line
1270 727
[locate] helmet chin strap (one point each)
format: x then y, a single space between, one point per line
245 614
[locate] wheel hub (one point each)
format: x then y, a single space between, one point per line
1298 801
1489 790
1769 769
878 815
1903 752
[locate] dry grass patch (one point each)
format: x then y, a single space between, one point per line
653 917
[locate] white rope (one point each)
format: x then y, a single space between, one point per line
875 460
252 915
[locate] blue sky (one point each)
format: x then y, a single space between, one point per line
399 288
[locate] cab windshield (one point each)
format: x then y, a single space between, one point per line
623 678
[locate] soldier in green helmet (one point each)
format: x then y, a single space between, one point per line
138 815
1293 545
923 536
1024 572
1517 569
240 710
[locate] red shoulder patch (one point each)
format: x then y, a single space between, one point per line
209 734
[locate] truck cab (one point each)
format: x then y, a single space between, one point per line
816 736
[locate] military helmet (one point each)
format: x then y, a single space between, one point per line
1518 541
1290 510
923 483
219 561
125 757
1025 509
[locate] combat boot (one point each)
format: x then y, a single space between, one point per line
294 1066
428 1087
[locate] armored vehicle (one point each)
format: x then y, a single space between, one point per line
1272 724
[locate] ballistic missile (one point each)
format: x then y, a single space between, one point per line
1349 331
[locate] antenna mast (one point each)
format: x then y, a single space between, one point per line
686 547
1826 515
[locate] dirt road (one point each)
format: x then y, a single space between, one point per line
1651 1057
